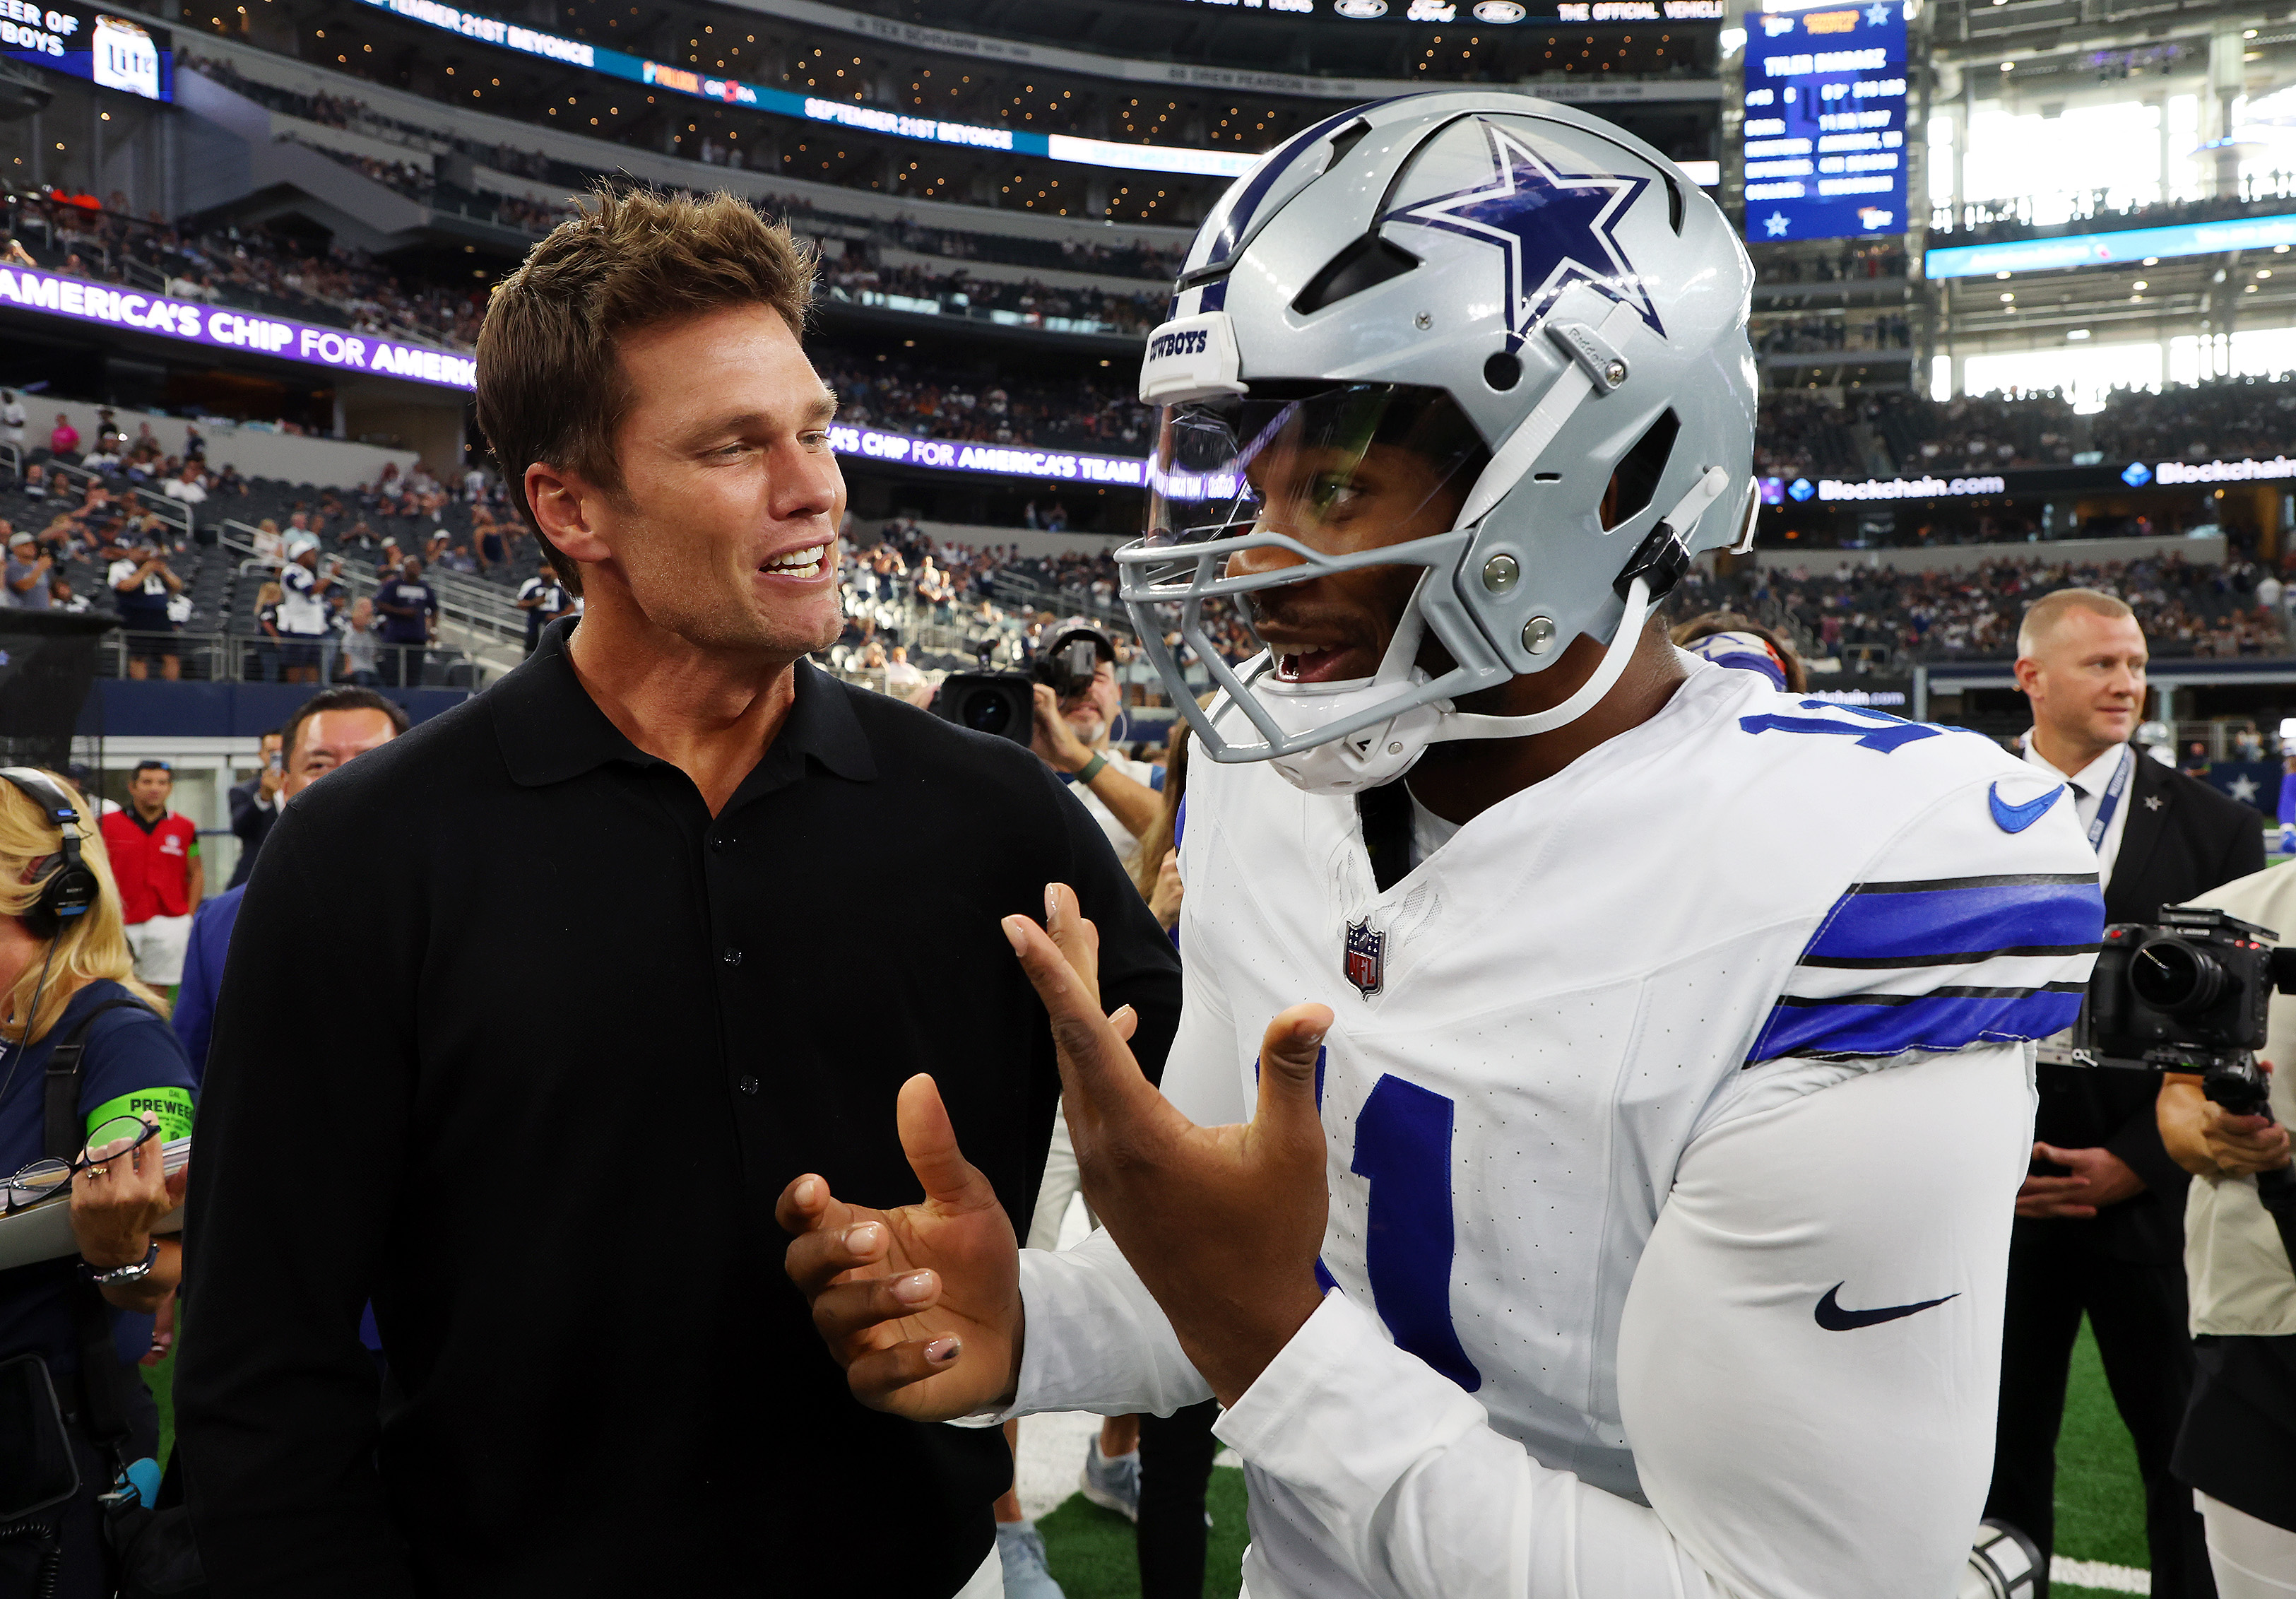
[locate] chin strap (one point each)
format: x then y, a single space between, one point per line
1663 556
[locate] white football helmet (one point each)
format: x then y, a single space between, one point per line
1547 317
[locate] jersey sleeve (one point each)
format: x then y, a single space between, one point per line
1976 924
1808 1366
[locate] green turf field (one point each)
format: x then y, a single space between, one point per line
2100 1511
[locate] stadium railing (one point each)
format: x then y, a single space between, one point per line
257 657
481 607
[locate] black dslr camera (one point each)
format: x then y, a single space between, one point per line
2189 993
1001 704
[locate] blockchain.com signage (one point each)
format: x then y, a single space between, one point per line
1826 122
222 327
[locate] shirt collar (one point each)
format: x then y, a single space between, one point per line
2091 779
550 730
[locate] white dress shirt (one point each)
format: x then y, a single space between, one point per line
2089 784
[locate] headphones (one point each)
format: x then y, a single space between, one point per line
72 888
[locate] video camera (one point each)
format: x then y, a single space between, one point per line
1002 704
2189 993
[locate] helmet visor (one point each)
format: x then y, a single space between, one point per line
1340 468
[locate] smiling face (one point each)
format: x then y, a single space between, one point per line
725 533
1337 627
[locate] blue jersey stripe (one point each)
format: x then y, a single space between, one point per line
1891 1024
1911 922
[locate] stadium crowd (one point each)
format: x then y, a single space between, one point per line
1994 221
2186 608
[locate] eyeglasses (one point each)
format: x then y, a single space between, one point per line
43 1180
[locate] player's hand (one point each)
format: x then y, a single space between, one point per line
921 1305
2098 1177
1223 1224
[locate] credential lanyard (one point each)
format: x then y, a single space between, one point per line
2111 800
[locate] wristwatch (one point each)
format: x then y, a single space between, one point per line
1092 768
134 1271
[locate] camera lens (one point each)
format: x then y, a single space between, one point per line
2171 975
985 711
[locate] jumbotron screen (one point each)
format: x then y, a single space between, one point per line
1826 122
111 51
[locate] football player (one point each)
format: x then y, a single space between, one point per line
1626 1211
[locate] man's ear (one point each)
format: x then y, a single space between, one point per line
564 503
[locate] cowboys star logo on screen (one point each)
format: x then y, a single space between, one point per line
1554 229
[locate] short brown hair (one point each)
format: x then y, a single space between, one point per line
551 388
2042 614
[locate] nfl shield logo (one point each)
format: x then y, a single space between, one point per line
1361 964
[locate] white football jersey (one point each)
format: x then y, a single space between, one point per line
1660 954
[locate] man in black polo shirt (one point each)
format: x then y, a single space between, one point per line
602 1381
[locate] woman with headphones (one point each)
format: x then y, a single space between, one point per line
69 998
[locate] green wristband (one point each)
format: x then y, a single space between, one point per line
1092 768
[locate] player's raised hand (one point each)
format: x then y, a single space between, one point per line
922 1304
1223 1224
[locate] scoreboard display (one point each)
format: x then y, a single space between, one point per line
1826 122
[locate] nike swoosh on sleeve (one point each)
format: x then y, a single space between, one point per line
2017 818
1833 1318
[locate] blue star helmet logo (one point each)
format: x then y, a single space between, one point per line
1801 489
1554 229
2136 474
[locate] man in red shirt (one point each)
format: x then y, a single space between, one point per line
155 858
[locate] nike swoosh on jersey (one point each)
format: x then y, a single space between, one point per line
2017 818
1833 1318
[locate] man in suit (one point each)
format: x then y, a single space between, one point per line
2100 1225
254 808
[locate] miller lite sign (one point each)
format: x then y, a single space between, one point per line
1364 958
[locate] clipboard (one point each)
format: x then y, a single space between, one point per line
43 1232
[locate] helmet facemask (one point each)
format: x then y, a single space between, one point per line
1252 496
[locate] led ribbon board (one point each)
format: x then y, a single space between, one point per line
2105 250
783 103
109 52
225 327
987 460
1826 122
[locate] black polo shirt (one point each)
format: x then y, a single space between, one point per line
519 1042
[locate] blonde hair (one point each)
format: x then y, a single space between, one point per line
92 947
2042 614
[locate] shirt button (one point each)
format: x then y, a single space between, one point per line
732 955
718 845
749 1084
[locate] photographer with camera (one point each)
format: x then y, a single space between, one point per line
2237 1447
2099 1226
1077 702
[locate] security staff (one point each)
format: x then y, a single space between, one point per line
67 981
2099 1225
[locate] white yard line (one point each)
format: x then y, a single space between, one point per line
2096 1574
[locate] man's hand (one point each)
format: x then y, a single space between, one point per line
1056 740
1223 1224
921 1305
2099 1177
2244 1146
